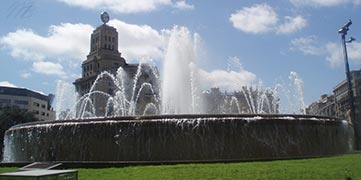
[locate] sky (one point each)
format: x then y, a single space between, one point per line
243 42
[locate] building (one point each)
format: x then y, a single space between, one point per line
248 100
342 98
28 100
326 106
338 104
105 57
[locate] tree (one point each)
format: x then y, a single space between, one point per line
10 116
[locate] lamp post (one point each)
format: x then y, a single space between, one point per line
356 124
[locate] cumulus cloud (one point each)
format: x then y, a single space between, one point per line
127 6
331 51
307 45
65 44
49 68
259 18
68 44
292 24
7 84
262 18
25 75
66 40
183 5
228 80
140 41
233 79
323 3
335 54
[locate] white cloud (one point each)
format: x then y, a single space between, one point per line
331 51
48 68
68 44
262 18
233 79
25 75
7 84
66 40
140 41
259 18
307 45
335 53
227 80
323 3
292 24
183 5
127 6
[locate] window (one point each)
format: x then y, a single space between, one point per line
36 112
36 104
6 101
21 102
43 106
113 39
43 113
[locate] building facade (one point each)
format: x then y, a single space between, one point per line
326 106
28 100
338 104
248 100
342 96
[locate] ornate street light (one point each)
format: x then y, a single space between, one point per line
343 32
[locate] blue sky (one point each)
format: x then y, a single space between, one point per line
43 41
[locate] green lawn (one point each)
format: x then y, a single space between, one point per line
332 168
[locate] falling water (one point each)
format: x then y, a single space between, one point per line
298 86
179 91
65 99
121 103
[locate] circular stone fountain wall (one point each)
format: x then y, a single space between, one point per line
178 138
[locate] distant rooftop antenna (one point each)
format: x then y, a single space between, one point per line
104 16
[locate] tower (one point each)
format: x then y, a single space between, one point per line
104 57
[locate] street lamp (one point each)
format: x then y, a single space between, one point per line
343 32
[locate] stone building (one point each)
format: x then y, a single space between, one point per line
337 104
248 100
342 98
104 58
31 101
326 106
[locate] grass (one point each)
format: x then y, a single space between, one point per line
331 168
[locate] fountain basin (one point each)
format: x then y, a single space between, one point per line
178 138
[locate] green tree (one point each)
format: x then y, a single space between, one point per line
10 116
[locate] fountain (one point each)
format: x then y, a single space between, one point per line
177 129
